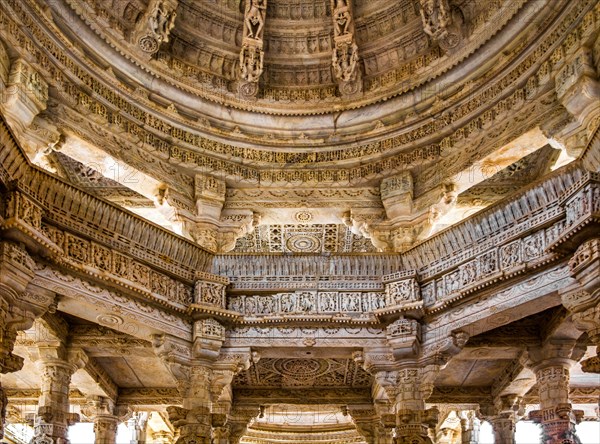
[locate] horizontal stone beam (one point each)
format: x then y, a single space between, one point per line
300 396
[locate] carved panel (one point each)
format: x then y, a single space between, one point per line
329 238
302 373
307 302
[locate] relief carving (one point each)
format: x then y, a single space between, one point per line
344 57
252 54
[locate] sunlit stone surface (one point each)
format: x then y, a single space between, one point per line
299 221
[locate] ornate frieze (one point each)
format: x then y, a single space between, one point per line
210 293
455 113
303 238
209 67
496 302
581 203
303 373
305 336
111 265
307 303
134 318
23 221
405 292
149 396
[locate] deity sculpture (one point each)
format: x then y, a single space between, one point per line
162 22
436 17
251 64
255 18
344 61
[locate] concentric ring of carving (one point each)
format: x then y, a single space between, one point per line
297 372
201 56
301 368
303 243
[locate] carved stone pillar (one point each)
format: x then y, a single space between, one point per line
413 421
18 309
220 435
584 302
100 411
192 422
16 271
504 418
3 407
239 420
470 426
137 427
551 365
53 417
368 423
504 428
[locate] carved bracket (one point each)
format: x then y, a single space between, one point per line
344 57
155 25
252 54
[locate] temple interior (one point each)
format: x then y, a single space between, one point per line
299 221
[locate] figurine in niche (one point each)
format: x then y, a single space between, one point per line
342 22
250 306
162 21
306 303
255 17
251 62
436 17
288 303
344 62
236 305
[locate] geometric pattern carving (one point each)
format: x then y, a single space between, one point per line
317 238
88 178
510 179
314 373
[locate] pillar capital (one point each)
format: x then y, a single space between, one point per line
503 416
240 417
369 423
53 416
556 415
470 425
100 410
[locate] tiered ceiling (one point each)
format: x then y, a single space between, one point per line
374 124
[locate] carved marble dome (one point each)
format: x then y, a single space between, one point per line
202 53
232 221
367 119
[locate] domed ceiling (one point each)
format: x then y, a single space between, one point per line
367 120
399 46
